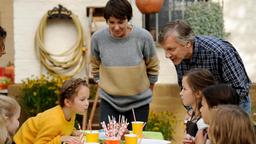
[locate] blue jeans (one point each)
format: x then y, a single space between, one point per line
245 104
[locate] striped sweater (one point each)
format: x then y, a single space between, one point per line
125 67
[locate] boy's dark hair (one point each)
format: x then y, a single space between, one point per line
120 9
220 94
70 88
2 33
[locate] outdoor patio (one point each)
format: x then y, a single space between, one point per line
21 19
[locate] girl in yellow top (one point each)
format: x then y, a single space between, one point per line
9 115
55 125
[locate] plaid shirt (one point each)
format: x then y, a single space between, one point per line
219 57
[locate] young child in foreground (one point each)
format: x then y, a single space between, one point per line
229 124
9 115
55 125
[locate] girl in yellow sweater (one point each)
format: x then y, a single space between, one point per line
55 125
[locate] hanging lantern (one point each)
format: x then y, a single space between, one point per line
149 6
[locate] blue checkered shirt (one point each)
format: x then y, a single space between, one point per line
219 57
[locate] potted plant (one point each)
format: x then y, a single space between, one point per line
163 122
39 93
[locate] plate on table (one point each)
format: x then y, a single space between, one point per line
154 141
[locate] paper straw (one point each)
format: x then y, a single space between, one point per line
109 119
81 137
79 126
133 113
90 126
142 127
141 132
81 134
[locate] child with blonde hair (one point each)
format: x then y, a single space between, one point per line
56 125
229 124
9 115
193 82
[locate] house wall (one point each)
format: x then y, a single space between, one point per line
58 35
240 22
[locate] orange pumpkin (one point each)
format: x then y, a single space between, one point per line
149 6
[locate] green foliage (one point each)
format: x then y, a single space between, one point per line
40 93
163 122
206 18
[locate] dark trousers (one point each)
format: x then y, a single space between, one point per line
107 110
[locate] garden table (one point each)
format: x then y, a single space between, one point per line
150 137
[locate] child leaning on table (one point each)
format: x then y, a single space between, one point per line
55 125
9 115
